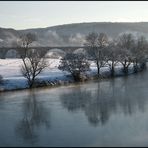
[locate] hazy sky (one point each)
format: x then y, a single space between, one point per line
33 14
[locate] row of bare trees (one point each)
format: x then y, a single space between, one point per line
126 49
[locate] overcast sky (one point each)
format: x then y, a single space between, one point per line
34 14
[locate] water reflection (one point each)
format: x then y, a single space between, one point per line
94 107
105 99
35 116
107 113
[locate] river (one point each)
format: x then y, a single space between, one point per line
112 112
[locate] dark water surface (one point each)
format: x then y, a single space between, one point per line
109 113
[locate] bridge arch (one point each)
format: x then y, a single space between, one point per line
80 50
12 53
55 53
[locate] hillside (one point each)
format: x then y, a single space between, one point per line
72 34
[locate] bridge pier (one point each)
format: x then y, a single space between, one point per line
3 53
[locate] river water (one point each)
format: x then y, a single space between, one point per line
112 112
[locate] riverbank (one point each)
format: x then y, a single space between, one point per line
51 76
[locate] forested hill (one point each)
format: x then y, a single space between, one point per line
72 34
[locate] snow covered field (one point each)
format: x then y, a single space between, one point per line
10 70
13 79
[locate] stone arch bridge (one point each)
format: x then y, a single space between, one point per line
4 50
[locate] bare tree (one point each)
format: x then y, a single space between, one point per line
32 66
125 58
95 45
102 40
126 44
27 39
140 53
112 57
126 41
33 60
24 43
76 64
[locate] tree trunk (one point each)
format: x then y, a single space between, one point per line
98 68
31 83
76 77
125 69
143 65
112 70
136 66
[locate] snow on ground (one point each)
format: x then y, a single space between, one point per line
13 79
11 67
